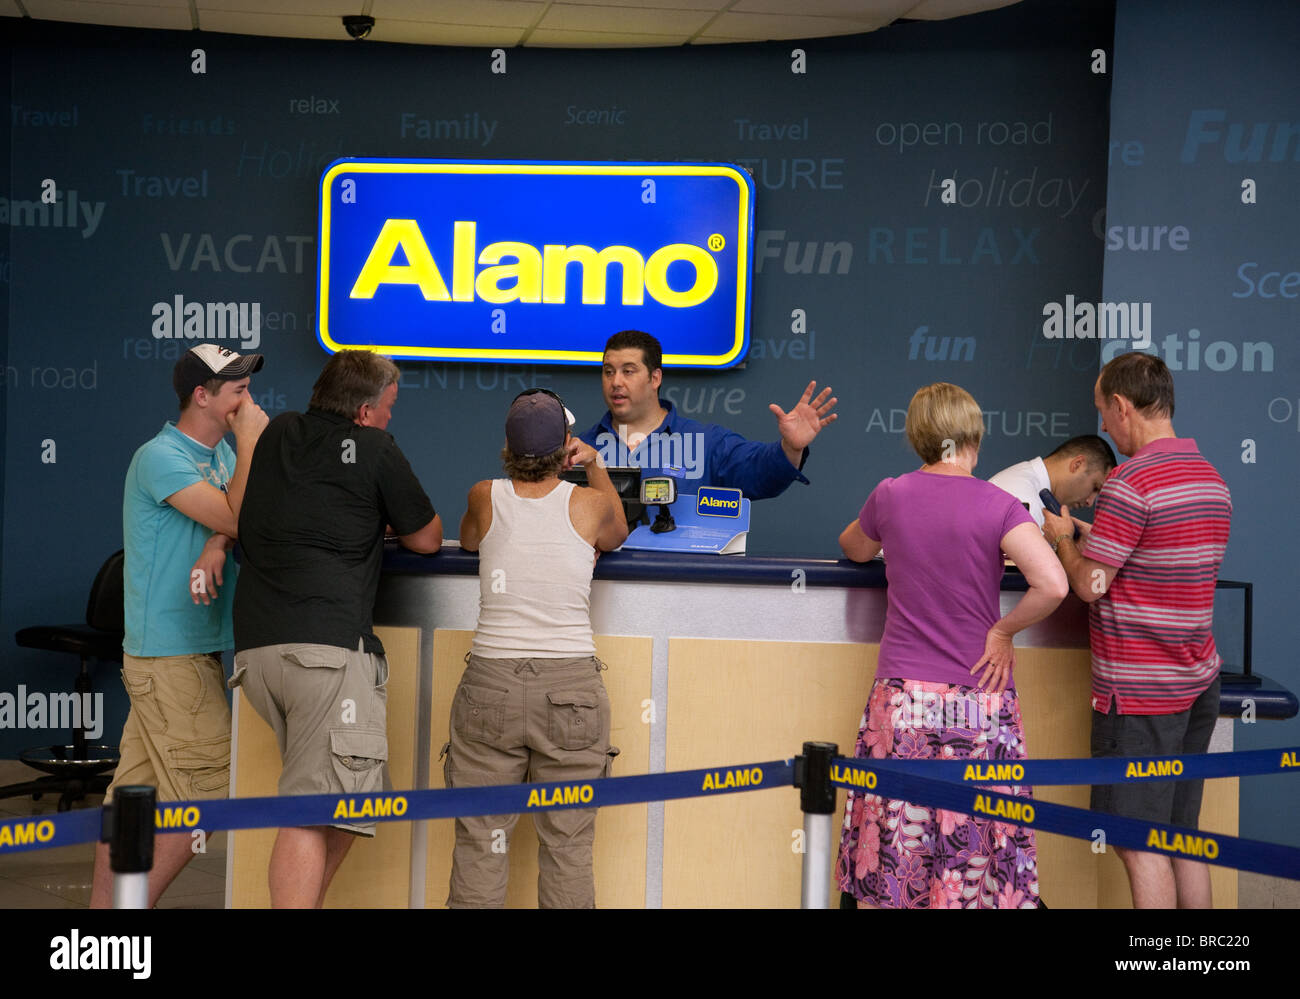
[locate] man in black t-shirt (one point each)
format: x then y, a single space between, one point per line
322 486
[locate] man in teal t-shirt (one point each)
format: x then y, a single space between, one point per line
180 515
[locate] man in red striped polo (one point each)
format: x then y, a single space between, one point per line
1148 568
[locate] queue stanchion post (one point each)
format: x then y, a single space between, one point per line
817 799
131 845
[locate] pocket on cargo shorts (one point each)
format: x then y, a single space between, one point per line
574 718
359 757
479 713
201 769
316 656
144 699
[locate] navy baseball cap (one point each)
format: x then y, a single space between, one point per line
536 424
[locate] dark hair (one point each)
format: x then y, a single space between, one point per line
1143 379
350 379
1092 447
651 353
532 469
212 386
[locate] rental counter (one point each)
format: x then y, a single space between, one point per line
712 661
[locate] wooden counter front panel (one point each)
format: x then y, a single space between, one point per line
746 702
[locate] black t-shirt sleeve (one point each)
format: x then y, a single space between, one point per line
405 504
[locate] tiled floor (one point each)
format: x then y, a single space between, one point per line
1255 891
60 878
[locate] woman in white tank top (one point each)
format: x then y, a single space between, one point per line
531 704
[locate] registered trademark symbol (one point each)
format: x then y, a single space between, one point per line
716 242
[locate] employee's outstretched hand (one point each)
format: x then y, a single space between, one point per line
809 416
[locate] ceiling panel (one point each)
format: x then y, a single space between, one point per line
412 33
876 12
632 20
306 8
600 39
759 27
702 5
938 10
176 16
274 25
498 13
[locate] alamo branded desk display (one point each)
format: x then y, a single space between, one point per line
712 520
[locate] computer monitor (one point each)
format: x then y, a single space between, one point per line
627 482
1246 674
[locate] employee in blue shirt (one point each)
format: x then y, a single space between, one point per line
642 430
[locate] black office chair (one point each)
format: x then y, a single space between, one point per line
81 768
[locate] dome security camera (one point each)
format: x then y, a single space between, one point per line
358 26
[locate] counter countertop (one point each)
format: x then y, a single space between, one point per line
1271 699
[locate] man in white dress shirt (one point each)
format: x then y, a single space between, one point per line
1074 473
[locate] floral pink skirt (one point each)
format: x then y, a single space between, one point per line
898 855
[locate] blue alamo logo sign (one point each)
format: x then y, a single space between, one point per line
715 501
529 261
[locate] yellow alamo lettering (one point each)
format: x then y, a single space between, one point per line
176 818
713 501
1154 768
1191 846
750 777
370 808
572 795
536 276
849 775
1016 811
1289 759
994 771
26 833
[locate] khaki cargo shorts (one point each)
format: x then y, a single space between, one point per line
337 741
177 735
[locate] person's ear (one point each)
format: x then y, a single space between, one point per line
657 377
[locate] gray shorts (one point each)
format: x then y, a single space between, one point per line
328 708
1187 732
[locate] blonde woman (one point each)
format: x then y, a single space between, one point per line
944 688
